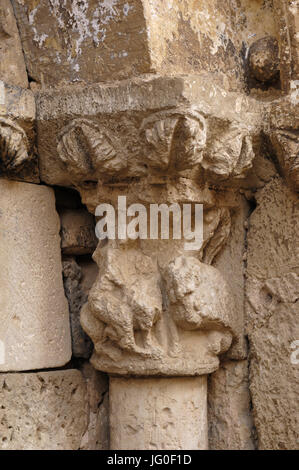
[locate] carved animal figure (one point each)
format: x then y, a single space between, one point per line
199 298
127 300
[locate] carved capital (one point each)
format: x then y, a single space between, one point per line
155 309
158 127
146 320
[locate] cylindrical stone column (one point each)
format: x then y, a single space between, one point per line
158 413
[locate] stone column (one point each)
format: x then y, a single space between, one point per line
159 315
158 413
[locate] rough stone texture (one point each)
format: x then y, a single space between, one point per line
12 64
198 125
77 295
77 232
42 411
34 312
208 110
272 310
158 414
286 12
283 135
229 414
88 41
17 133
96 436
196 324
93 41
264 59
230 263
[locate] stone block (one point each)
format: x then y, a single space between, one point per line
34 313
158 413
43 410
97 433
77 232
229 414
12 63
272 292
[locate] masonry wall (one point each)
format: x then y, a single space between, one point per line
110 65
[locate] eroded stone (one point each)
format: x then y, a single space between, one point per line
272 309
43 410
34 312
229 414
12 63
77 232
164 414
96 436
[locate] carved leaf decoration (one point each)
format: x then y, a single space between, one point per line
87 150
219 231
286 146
14 145
231 153
160 137
175 139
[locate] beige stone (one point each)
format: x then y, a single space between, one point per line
199 127
96 436
283 135
17 133
77 232
164 102
287 14
43 410
86 41
158 414
94 41
12 64
229 414
196 324
272 315
231 263
34 312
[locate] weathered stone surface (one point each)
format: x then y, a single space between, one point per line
12 64
17 133
287 14
264 59
198 126
229 414
77 296
34 313
158 414
231 263
77 232
86 41
272 310
96 436
43 410
108 40
174 320
284 137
